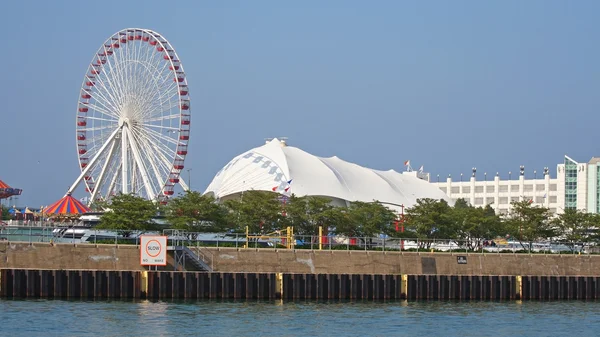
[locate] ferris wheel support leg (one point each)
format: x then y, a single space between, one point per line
92 162
100 180
111 187
183 184
153 168
140 166
124 163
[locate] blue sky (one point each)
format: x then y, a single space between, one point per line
447 84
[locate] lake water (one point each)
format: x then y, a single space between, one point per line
209 318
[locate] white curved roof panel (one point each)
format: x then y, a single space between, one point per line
271 166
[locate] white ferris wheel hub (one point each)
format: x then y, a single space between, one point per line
133 118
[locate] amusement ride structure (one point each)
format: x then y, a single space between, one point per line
133 118
7 192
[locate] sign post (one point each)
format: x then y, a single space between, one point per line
153 250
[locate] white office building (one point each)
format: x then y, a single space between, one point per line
576 186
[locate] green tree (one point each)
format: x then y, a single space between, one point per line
5 214
261 211
529 223
575 226
128 212
195 212
474 224
371 218
429 219
307 213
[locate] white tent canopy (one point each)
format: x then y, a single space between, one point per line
270 167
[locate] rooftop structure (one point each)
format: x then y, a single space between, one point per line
278 167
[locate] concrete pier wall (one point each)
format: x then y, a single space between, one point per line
126 257
361 262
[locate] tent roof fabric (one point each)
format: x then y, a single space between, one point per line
67 205
271 166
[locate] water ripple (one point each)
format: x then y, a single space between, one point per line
231 318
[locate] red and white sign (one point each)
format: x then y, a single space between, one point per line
153 250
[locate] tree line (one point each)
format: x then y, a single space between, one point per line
427 220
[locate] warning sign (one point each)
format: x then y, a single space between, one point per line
153 250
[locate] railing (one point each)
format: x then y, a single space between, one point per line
39 223
201 241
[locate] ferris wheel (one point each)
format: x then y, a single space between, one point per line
133 118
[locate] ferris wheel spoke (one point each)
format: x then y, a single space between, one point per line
159 136
114 79
160 127
140 165
113 181
103 119
107 95
102 93
95 129
102 109
111 86
158 110
100 90
149 155
158 147
162 118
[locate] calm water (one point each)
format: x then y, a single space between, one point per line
73 318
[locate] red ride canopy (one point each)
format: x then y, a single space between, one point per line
67 205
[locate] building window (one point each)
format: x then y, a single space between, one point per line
570 184
443 189
503 188
597 189
528 188
478 201
490 189
503 200
512 199
540 200
489 200
552 187
466 189
514 188
552 199
540 187
455 190
478 189
553 210
503 211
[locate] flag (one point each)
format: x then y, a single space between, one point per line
545 195
531 201
406 163
275 188
421 169
287 188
